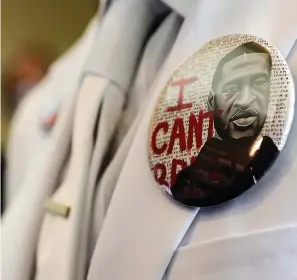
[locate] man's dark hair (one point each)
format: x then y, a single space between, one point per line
250 47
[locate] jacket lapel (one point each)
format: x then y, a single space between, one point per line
21 223
156 51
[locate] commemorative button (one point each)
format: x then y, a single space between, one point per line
221 120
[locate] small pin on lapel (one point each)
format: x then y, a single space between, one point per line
57 208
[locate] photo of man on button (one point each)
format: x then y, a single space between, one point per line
238 155
241 87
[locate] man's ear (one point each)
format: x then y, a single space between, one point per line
210 100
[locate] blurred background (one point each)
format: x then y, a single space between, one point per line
34 33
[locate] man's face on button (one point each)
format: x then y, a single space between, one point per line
242 92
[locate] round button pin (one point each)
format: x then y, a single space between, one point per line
221 120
